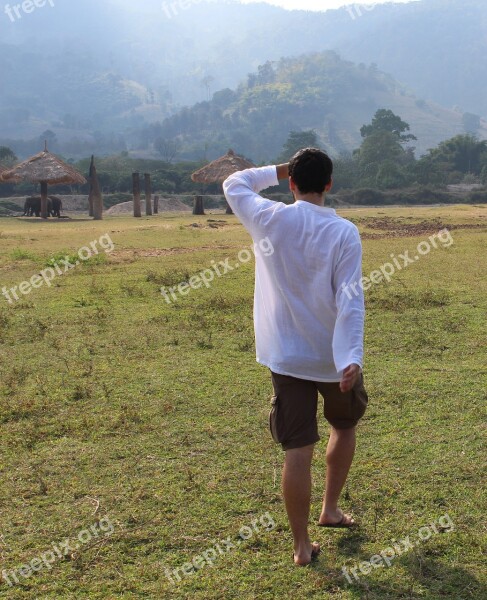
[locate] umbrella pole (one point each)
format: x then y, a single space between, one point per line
44 214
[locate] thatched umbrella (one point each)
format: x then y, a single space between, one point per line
221 168
46 169
2 171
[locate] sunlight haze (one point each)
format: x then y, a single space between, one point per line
318 5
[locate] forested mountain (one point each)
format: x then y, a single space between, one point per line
95 71
319 92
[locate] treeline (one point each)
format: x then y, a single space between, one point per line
384 164
386 159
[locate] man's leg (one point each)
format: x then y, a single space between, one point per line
339 457
296 488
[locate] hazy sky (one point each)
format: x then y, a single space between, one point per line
318 4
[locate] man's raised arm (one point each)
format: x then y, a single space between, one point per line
282 171
242 191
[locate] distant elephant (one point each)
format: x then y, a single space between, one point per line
28 208
32 206
57 206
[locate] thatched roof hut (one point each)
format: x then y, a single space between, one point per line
2 171
221 168
43 167
46 169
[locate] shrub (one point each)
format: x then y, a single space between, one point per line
21 254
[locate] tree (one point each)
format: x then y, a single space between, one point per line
224 98
390 175
251 80
297 140
266 74
206 83
346 172
7 156
386 120
168 149
377 148
49 137
428 172
462 153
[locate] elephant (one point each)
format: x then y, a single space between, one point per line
33 206
57 206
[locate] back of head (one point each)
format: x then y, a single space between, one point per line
311 170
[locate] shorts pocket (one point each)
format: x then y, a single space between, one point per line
274 420
360 399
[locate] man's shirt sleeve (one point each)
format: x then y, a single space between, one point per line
348 338
242 194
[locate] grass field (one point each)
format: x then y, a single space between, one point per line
136 429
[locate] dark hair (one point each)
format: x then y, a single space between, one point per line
311 170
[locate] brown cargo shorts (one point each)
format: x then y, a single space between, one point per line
292 420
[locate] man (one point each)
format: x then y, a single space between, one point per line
308 326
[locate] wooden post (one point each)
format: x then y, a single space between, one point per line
44 199
198 208
229 210
90 195
136 185
148 195
156 205
97 197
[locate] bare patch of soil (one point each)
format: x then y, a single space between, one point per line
394 228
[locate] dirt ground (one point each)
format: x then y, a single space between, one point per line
387 227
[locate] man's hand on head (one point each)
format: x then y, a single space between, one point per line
349 378
282 171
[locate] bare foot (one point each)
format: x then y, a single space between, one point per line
336 519
305 558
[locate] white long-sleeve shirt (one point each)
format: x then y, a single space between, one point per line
307 323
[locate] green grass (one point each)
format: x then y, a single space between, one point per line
21 254
154 415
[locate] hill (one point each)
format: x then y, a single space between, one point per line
94 72
319 91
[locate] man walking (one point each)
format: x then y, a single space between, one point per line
308 331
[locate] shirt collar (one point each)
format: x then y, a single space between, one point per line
325 210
